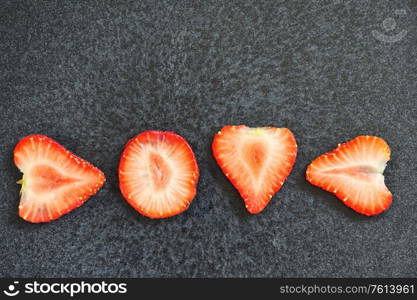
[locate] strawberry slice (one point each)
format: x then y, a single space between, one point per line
353 172
158 174
55 181
256 160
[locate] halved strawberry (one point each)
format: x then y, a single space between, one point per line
158 174
353 172
55 181
256 160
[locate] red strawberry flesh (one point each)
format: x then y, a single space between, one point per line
256 160
55 181
354 173
158 174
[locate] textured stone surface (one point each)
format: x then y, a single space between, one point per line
93 74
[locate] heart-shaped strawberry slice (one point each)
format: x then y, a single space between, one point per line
55 181
353 172
256 160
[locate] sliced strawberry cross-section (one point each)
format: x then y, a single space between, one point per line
354 173
158 174
256 160
55 181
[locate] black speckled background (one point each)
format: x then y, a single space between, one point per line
93 74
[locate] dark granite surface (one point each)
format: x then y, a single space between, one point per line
93 74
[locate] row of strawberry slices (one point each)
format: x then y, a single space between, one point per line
158 172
